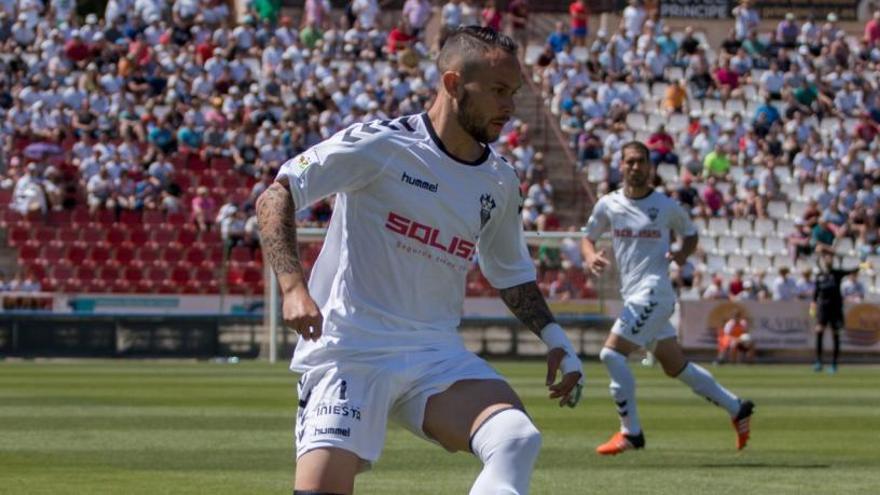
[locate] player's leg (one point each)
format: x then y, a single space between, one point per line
819 330
340 425
675 365
487 418
836 325
326 471
620 343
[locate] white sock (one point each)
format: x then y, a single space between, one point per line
623 390
704 384
508 444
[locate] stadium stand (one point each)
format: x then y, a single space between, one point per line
134 146
768 138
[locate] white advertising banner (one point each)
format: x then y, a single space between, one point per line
157 304
777 325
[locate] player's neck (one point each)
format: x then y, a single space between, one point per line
457 142
632 192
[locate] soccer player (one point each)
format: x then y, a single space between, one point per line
827 306
415 198
640 221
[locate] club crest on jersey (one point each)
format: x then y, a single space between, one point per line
487 204
652 213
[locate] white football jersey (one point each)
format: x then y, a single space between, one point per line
640 236
407 224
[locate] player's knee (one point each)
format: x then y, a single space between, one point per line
607 354
509 434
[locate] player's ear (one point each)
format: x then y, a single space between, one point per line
452 83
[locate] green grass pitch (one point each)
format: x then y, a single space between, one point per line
127 427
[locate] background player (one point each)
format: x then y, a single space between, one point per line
415 197
640 221
827 306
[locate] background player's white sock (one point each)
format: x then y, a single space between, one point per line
704 384
623 390
508 444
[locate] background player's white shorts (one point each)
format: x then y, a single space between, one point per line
645 322
347 404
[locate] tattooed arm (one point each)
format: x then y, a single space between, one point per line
527 303
275 215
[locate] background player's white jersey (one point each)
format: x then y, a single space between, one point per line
640 235
406 225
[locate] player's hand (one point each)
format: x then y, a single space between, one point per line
568 389
597 263
678 257
301 314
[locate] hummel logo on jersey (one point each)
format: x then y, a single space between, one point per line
652 213
421 184
487 204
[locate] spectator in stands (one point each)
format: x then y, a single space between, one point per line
99 188
788 31
784 287
547 220
634 17
559 39
562 288
662 147
734 338
417 13
717 164
736 284
852 290
518 12
805 284
203 209
675 97
872 29
716 289
579 15
450 17
712 199
491 16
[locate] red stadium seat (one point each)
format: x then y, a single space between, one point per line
92 235
180 276
123 255
172 256
68 234
28 253
5 197
76 254
148 255
138 236
53 254
61 218
44 235
156 276
194 256
132 274
153 217
60 274
164 236
99 255
176 219
18 236
207 180
116 235
38 272
10 218
83 272
240 254
211 237
129 217
214 254
109 273
81 217
105 217
187 236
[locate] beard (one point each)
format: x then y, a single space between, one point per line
472 123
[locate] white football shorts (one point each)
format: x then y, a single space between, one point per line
645 322
347 404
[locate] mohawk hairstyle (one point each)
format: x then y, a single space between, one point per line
465 44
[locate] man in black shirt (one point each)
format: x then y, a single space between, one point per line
827 306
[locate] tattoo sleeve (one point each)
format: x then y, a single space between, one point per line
275 216
527 303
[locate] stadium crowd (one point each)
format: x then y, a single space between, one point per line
175 109
771 135
171 108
